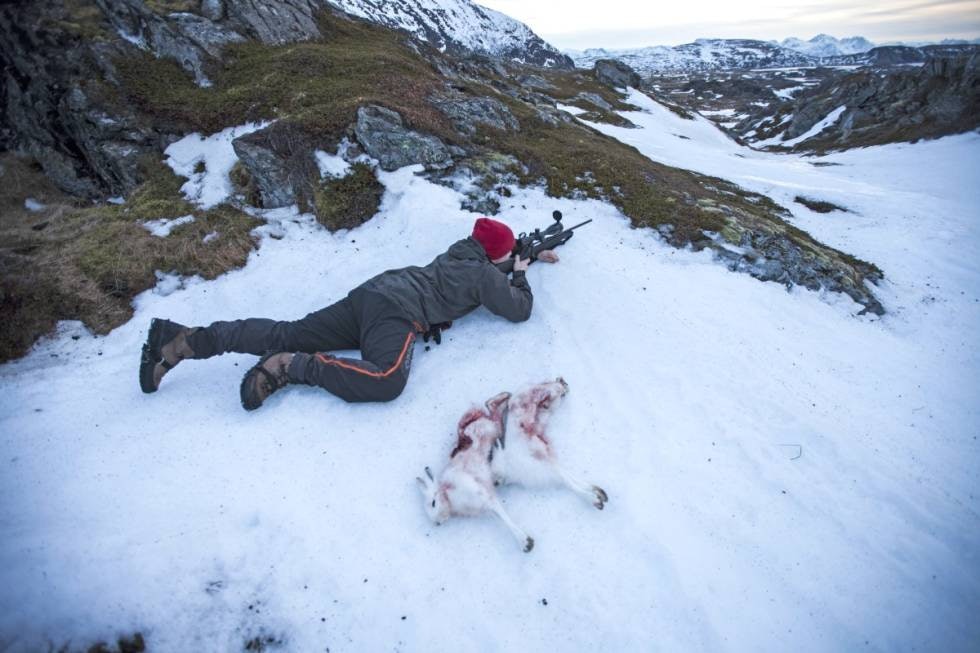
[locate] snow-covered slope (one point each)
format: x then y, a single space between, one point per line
459 24
783 475
702 55
824 45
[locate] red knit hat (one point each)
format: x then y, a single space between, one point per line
496 237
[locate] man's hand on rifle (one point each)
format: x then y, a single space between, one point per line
548 256
520 264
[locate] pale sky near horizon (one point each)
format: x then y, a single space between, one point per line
579 24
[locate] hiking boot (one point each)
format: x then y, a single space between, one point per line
268 375
166 345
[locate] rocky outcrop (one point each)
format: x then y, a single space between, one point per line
775 257
280 162
59 100
468 112
57 108
595 100
615 73
274 21
384 136
942 97
192 39
892 55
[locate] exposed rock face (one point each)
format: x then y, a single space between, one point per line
57 101
281 163
615 73
595 100
774 257
275 21
383 135
213 9
942 97
177 39
890 55
535 82
467 112
58 111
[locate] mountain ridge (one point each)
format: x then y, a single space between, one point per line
706 54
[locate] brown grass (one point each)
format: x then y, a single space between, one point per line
87 263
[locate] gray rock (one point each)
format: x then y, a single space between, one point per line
595 100
535 82
205 33
268 171
87 146
275 21
281 163
467 112
774 257
383 135
551 115
155 33
615 73
213 9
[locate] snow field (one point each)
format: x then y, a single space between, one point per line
782 474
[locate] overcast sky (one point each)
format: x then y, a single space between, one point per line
582 24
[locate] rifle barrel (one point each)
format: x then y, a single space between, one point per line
579 224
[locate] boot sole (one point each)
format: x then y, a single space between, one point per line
147 359
248 401
150 355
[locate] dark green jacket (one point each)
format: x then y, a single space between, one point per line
454 284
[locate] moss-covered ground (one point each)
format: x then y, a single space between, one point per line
345 202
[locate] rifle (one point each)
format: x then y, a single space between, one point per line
529 245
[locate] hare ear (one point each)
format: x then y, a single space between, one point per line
423 484
496 400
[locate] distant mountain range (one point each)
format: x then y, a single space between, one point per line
702 55
824 45
730 54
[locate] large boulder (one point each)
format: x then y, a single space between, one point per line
467 112
275 21
280 162
615 73
384 136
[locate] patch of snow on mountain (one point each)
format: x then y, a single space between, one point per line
787 93
824 45
701 55
206 161
456 22
161 228
831 118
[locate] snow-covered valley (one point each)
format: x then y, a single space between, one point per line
783 474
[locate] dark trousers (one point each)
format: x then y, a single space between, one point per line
363 320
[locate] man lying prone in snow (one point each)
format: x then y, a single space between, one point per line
381 317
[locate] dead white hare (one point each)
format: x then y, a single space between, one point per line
505 442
